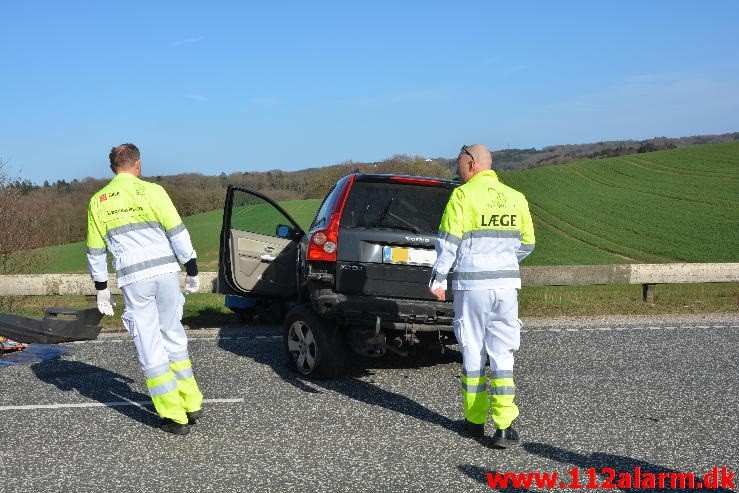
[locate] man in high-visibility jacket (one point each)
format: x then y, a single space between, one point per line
485 231
137 223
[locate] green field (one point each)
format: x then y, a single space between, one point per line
680 205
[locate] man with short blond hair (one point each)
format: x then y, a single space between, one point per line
485 231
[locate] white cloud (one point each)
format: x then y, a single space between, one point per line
637 107
651 92
265 101
512 70
187 41
397 98
196 97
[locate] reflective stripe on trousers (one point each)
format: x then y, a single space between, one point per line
487 328
192 399
153 316
165 394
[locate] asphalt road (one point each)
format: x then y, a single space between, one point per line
661 398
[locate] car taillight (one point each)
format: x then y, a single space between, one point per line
324 242
322 245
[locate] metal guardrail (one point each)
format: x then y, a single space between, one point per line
648 275
76 284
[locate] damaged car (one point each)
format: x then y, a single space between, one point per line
357 280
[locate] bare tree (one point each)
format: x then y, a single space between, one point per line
20 230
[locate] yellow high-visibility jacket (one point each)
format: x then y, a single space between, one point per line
137 223
485 231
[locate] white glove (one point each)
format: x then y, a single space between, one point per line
436 285
105 305
438 289
192 284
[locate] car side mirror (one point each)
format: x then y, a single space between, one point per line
284 231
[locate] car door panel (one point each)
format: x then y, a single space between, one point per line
259 246
263 264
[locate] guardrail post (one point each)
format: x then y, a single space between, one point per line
648 292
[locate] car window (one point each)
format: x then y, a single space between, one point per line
322 216
253 214
395 206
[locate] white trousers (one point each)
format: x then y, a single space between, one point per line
487 326
153 316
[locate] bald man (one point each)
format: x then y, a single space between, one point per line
485 231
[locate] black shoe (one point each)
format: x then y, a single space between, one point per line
474 430
505 438
174 427
193 417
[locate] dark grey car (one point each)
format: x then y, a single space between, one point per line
358 277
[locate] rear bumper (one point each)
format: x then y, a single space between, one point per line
393 312
53 328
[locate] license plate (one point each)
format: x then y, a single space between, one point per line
406 255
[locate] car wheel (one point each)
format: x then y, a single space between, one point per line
314 347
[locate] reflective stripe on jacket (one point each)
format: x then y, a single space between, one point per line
137 223
485 231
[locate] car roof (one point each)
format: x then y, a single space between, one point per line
406 179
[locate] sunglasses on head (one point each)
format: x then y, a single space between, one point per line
464 149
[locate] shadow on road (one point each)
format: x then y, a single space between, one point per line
593 471
370 394
615 467
480 474
104 386
264 352
355 384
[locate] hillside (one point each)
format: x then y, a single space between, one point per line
680 205
509 159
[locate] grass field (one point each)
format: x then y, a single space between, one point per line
680 205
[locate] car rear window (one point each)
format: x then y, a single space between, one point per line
395 206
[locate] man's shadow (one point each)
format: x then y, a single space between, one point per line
602 464
481 474
354 384
358 385
98 384
607 470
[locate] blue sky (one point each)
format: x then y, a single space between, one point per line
211 87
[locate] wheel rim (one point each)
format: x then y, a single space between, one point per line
301 344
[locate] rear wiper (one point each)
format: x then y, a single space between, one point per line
409 226
385 211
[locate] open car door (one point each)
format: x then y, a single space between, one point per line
259 246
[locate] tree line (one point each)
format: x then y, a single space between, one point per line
33 216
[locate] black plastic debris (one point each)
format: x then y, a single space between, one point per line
58 325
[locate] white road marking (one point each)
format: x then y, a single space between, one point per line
105 404
262 338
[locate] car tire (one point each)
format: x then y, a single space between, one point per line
313 346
